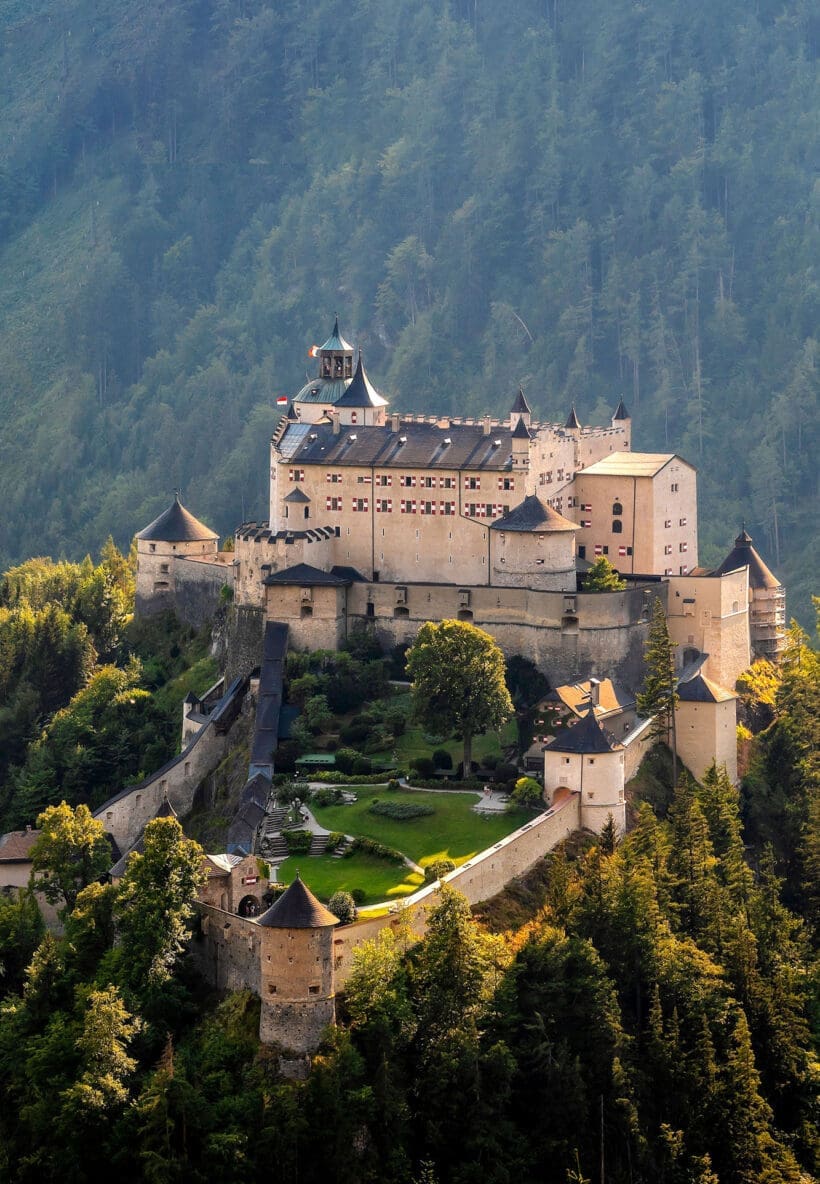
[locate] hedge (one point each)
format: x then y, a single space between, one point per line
374 848
326 778
400 811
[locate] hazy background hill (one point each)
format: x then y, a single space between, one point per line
590 199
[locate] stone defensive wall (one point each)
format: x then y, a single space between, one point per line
228 948
198 584
636 745
125 814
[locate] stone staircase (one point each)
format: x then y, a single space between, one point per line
339 851
276 819
318 845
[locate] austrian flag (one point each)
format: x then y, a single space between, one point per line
282 401
313 352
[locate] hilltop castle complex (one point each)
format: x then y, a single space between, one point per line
382 521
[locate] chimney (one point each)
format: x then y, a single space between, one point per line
395 422
595 692
486 425
337 425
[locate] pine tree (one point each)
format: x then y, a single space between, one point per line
659 696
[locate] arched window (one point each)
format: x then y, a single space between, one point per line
401 610
617 526
465 614
617 509
307 610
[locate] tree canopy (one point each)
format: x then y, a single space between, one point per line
457 672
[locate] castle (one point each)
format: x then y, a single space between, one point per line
383 521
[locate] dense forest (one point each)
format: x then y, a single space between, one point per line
633 1011
590 200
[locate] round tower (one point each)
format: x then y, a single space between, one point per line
297 981
767 598
533 547
174 534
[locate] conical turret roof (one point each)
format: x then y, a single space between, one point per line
520 406
621 411
533 515
336 342
521 431
572 419
177 525
743 554
297 908
361 392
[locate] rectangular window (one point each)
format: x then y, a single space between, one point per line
472 482
606 549
586 522
490 510
682 522
333 503
296 474
586 507
333 478
667 549
448 507
427 507
428 482
683 548
599 550
667 571
407 506
447 482
546 478
506 482
407 481
384 505
364 480
559 475
667 524
360 504
674 487
384 479
684 570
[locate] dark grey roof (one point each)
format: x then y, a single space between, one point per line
621 411
269 699
587 736
304 573
297 908
413 446
533 515
743 554
520 406
256 790
296 495
572 419
177 525
521 431
361 392
165 810
700 690
336 343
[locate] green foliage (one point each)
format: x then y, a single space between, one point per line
21 930
400 811
372 847
603 577
70 852
458 681
659 694
343 906
425 766
441 759
298 841
527 792
437 869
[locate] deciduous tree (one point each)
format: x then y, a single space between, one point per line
71 851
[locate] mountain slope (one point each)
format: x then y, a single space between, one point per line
590 200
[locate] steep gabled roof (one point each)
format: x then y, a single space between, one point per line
572 419
297 908
177 525
533 515
743 554
520 406
587 736
700 690
621 411
361 392
305 573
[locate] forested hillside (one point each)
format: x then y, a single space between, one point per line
589 199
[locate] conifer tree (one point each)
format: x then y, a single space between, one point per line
659 695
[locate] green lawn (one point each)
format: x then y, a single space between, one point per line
455 831
379 878
414 742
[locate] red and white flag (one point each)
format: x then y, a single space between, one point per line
282 401
313 352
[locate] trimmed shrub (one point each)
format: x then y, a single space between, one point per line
490 761
400 811
298 841
327 778
393 785
424 765
435 783
377 849
359 895
436 870
326 797
442 759
345 759
362 765
343 906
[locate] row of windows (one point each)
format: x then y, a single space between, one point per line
546 478
682 547
407 480
683 570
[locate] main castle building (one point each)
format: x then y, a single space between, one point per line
389 520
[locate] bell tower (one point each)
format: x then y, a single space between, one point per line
336 357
